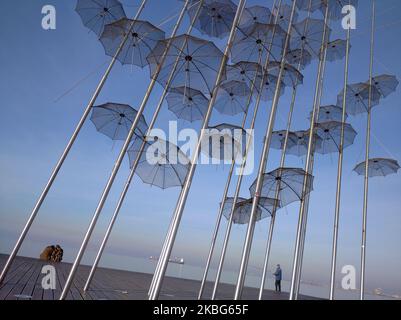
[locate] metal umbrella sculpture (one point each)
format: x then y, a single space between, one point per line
252 15
187 104
222 140
299 147
198 63
245 72
242 168
242 209
266 85
336 50
331 133
96 14
299 57
115 169
114 120
232 98
263 160
178 212
240 71
134 166
162 163
301 226
260 41
308 34
215 18
291 182
64 155
378 167
290 76
385 84
357 98
142 38
294 141
285 16
331 113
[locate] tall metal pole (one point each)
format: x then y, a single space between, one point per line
282 163
66 151
243 164
312 160
136 161
224 197
184 192
262 165
339 172
118 162
367 154
308 160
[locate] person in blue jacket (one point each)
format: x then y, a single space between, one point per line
278 275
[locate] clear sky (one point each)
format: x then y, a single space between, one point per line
38 67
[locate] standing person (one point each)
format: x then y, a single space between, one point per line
278 276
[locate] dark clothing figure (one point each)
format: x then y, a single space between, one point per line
278 285
278 276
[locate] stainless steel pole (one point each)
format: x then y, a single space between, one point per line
243 164
367 154
262 165
308 159
136 162
339 172
282 163
184 193
66 151
223 200
118 163
305 222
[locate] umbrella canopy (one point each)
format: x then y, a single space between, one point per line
300 142
252 15
299 57
291 76
260 41
161 163
335 6
330 113
330 133
308 34
243 209
115 120
232 98
224 142
357 98
385 84
95 14
187 104
245 72
268 84
378 167
142 39
290 182
336 50
283 15
198 63
215 18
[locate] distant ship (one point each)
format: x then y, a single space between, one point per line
172 260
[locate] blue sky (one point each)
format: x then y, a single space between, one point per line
39 66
